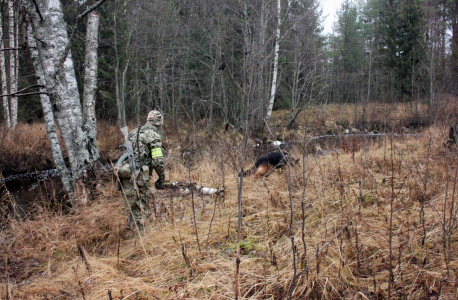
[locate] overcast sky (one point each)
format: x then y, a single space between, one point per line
329 9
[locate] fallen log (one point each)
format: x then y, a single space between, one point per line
186 187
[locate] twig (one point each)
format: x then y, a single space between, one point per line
10 49
6 278
324 247
186 258
117 254
29 94
452 218
391 223
211 222
83 257
73 34
444 229
82 290
422 212
291 232
239 207
193 209
18 93
361 184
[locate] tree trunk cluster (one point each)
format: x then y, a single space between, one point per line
61 105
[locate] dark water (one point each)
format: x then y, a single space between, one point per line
19 193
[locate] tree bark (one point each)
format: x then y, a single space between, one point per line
454 45
275 71
90 84
49 119
119 98
6 105
365 103
13 61
50 30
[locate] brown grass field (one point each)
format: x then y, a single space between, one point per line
357 213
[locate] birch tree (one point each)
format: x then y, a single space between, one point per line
90 83
48 116
13 64
4 87
275 70
120 85
54 57
454 42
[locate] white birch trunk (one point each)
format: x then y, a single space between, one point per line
16 71
120 106
123 92
275 71
51 32
431 80
49 119
6 106
12 53
90 83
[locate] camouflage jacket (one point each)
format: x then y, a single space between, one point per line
149 149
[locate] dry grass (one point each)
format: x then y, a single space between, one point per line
26 148
346 255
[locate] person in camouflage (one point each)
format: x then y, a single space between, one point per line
146 144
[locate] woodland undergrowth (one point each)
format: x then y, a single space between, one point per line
376 220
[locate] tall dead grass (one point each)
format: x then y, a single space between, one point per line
26 148
342 206
89 255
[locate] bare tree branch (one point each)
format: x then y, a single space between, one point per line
32 93
73 34
10 49
18 93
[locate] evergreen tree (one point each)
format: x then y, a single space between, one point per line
349 51
349 38
401 26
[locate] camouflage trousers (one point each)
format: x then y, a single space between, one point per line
138 205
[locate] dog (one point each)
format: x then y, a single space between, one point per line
266 162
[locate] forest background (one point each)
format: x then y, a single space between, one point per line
220 62
205 59
224 66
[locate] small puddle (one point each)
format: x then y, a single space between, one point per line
21 192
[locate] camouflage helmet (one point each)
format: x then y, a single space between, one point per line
155 118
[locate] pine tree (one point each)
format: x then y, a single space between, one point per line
401 26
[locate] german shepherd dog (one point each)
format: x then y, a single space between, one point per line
266 162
